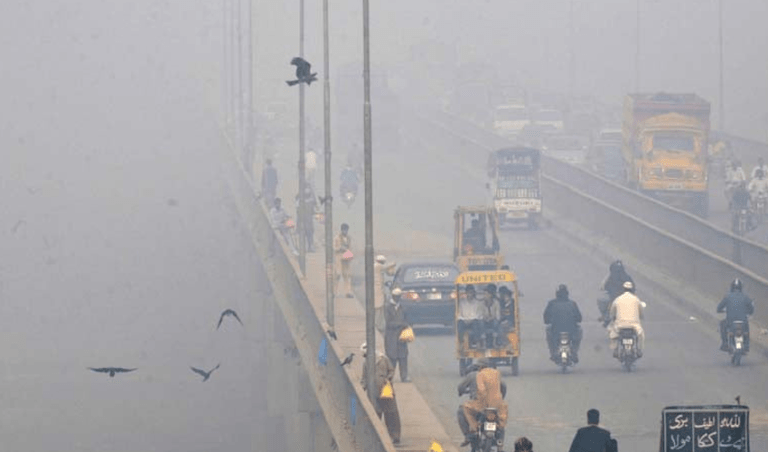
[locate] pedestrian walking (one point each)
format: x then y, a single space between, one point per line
396 348
269 183
342 245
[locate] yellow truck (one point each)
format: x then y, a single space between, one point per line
665 141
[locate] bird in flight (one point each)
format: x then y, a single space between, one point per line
226 313
347 360
303 75
110 370
204 374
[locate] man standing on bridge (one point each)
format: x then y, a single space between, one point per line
341 246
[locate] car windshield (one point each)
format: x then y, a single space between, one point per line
430 274
511 114
673 142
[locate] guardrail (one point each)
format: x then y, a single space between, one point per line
345 405
679 257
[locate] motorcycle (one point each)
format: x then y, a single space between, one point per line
489 438
740 219
628 352
737 342
564 351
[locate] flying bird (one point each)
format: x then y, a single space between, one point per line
111 370
303 75
332 334
204 374
226 313
347 360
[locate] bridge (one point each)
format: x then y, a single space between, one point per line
682 264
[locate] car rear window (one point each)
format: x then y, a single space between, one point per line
430 274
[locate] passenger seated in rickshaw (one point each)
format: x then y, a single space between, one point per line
470 316
507 305
492 318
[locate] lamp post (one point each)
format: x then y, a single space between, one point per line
720 39
637 47
370 336
329 280
301 213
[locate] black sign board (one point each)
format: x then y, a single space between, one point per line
712 428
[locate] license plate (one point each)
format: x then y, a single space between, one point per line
434 296
490 426
626 341
516 214
675 186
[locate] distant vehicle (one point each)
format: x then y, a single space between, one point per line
568 148
549 117
515 182
610 135
510 120
476 239
426 292
665 146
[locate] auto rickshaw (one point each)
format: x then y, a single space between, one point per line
506 350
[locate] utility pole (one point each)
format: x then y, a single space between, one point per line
225 64
370 336
239 102
720 38
329 280
571 58
637 48
249 141
301 214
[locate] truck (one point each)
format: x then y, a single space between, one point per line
664 146
515 183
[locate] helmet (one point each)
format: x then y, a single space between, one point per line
562 290
628 286
618 263
483 363
736 285
381 258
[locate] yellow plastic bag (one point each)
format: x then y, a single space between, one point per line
407 335
386 391
435 447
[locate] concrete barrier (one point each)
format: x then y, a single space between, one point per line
748 254
345 406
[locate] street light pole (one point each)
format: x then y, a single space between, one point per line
637 48
720 38
249 141
301 214
329 280
370 336
239 59
225 64
571 59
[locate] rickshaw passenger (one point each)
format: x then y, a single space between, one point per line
470 315
507 305
492 314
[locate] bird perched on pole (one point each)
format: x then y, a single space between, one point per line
303 75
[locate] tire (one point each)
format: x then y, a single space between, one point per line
464 364
563 368
736 359
515 367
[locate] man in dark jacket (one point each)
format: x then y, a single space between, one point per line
396 350
562 315
737 307
593 438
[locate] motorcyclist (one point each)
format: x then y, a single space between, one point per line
627 312
741 200
562 315
760 166
349 180
734 177
737 307
612 285
486 390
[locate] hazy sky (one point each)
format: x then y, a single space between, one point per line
530 39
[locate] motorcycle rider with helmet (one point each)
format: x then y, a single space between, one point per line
486 390
741 200
627 312
612 285
737 307
562 315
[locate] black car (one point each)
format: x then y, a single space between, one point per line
426 292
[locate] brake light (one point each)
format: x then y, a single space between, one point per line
413 296
453 295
